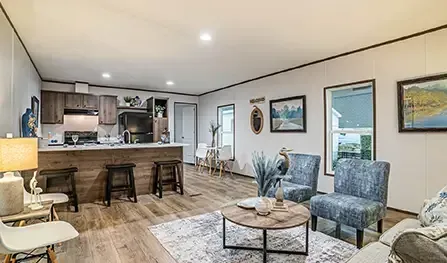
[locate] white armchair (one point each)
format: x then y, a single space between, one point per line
57 198
16 240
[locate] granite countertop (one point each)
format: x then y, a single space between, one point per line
109 147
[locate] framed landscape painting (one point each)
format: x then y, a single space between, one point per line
288 114
422 104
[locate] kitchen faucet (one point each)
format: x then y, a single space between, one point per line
124 137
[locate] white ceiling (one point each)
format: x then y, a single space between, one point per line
144 43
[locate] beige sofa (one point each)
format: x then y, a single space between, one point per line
407 242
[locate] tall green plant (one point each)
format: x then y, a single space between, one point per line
266 172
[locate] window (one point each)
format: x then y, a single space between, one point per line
349 123
225 135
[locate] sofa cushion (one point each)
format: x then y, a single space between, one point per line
372 253
426 244
346 209
408 223
293 192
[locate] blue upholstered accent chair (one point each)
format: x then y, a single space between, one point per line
303 181
359 199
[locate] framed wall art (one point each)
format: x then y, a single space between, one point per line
422 104
288 114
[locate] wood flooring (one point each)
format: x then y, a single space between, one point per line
119 233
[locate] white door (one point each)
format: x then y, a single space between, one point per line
189 132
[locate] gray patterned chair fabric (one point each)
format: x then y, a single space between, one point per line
360 195
303 181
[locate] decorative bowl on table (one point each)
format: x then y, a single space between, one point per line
249 203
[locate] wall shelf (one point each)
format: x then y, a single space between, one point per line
131 108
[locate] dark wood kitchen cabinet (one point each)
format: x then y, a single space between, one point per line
90 101
52 110
81 101
73 101
107 110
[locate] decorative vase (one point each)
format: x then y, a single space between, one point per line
160 114
213 142
29 124
263 206
127 104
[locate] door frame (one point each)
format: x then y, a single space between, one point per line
195 117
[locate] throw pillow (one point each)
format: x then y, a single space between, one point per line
435 210
421 245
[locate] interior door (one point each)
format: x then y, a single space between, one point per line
189 132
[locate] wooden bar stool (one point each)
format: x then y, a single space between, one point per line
128 186
176 180
68 174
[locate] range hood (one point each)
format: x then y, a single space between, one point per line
81 112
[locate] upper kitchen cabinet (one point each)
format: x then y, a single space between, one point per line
90 101
73 100
81 101
107 110
52 111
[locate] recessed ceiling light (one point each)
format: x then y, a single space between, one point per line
170 83
106 75
206 37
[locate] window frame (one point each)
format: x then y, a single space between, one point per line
328 131
234 128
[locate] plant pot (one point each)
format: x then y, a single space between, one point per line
160 114
127 104
263 206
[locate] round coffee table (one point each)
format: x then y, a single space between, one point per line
296 216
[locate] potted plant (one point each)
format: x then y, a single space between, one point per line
213 130
160 110
128 100
266 174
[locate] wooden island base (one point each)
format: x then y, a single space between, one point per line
91 178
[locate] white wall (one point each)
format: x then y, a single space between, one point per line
19 80
91 123
417 159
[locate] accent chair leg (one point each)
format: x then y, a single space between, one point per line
360 234
338 231
380 226
7 259
314 223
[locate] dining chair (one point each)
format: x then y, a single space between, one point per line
201 156
223 159
20 240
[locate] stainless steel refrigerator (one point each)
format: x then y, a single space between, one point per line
139 124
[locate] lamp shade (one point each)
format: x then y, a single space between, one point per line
18 154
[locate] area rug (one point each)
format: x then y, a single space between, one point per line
199 239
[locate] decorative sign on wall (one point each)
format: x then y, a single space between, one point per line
256 120
257 100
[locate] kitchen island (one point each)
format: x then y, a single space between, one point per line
91 161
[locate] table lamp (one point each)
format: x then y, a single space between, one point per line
17 154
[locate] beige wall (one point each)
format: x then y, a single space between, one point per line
417 159
91 123
18 80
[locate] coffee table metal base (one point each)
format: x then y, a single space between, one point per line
264 247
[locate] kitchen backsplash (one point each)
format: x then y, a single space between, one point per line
80 123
